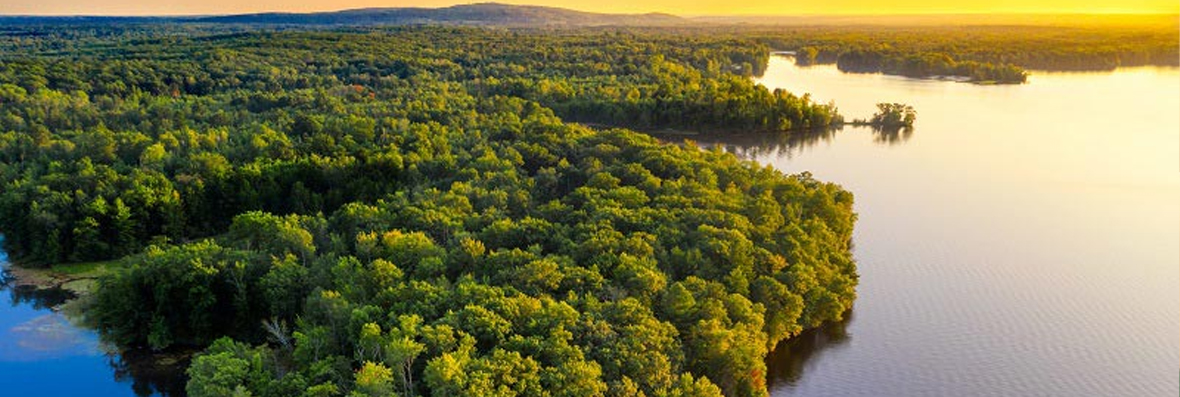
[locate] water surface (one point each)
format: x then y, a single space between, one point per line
44 354
1021 240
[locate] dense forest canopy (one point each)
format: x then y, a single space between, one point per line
169 96
405 212
417 210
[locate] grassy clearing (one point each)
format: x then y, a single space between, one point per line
83 269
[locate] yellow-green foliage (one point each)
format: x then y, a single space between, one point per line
407 213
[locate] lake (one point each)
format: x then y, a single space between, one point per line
1020 240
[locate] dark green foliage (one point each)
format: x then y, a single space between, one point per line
889 61
182 295
404 212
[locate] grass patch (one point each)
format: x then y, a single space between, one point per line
83 268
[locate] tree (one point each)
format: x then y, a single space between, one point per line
127 235
401 351
217 374
373 380
286 287
891 115
274 234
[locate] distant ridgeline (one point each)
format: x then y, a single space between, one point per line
402 211
465 14
478 14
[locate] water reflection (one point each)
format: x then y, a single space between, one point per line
891 136
39 299
786 364
151 373
750 145
39 346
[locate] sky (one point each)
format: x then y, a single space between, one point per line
678 7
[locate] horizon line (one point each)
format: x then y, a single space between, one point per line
1109 12
689 16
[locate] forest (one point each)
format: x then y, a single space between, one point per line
447 210
413 211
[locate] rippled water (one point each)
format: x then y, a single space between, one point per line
1020 241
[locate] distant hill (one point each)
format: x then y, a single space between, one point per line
497 14
9 20
468 14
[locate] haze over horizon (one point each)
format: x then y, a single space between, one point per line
682 8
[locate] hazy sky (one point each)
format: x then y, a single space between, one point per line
680 7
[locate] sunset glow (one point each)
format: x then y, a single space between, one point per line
688 8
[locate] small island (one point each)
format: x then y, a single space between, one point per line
889 116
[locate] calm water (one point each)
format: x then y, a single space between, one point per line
42 354
1021 241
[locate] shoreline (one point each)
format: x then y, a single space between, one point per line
77 280
934 77
162 371
80 284
711 132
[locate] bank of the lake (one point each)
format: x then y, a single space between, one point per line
79 279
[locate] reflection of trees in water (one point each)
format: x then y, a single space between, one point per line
39 299
152 373
892 135
750 145
786 363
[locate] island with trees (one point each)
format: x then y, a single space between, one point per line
890 116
